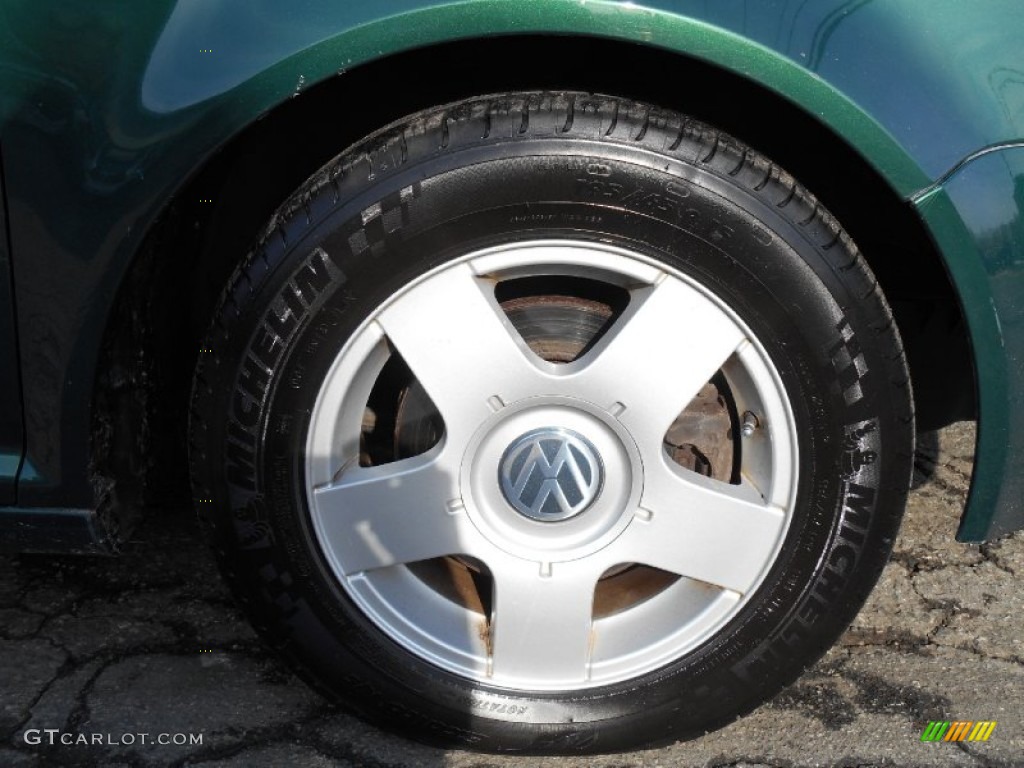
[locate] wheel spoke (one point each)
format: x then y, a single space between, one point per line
461 346
667 344
372 517
701 528
541 623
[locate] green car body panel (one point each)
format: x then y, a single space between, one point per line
106 109
976 217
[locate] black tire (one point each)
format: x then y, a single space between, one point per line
541 165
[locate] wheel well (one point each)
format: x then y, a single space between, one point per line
169 293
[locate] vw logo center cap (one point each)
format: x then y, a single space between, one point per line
551 474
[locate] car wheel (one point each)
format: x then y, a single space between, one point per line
552 423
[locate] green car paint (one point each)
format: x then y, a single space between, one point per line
107 108
976 218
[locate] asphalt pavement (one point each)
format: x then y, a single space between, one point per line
150 643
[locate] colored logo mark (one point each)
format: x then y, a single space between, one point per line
938 730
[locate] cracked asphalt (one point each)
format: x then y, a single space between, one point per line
151 643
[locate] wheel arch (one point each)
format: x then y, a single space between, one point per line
168 292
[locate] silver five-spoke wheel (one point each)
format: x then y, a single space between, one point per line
548 536
552 423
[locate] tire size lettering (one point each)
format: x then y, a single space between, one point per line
600 189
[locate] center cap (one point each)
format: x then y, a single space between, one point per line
551 474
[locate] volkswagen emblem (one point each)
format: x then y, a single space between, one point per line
550 474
